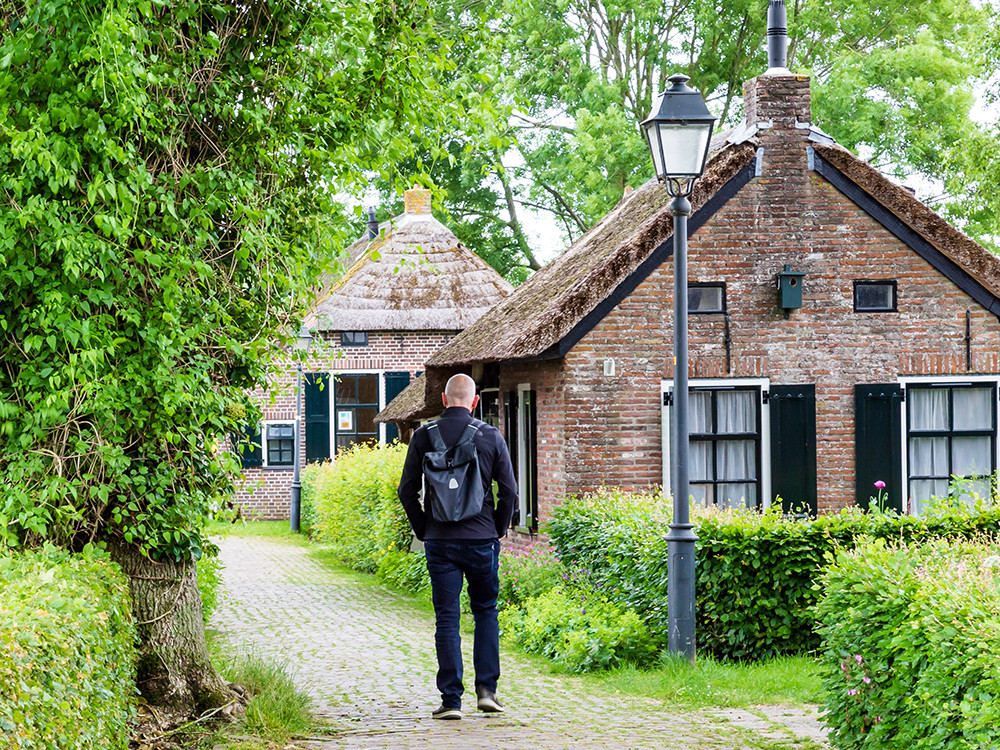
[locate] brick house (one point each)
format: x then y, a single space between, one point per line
409 288
888 370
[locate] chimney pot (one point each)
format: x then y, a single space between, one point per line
372 223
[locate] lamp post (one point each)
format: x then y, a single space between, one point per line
302 341
678 132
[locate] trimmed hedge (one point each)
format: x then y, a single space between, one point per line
911 646
755 570
354 510
67 680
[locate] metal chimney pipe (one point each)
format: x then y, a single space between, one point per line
777 35
372 223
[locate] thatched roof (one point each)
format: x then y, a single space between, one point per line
551 302
416 276
407 402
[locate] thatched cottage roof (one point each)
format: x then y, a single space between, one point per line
554 300
415 276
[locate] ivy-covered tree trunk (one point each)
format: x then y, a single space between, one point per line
167 182
174 670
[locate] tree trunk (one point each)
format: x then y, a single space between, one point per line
174 671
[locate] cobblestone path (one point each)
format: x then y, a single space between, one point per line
367 658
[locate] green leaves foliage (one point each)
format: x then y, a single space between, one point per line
356 511
570 80
755 572
910 645
168 172
67 679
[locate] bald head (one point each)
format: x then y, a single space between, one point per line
460 391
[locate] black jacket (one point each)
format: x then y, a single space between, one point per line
494 465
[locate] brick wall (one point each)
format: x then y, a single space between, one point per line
265 492
611 426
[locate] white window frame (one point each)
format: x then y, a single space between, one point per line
263 442
380 374
941 380
764 385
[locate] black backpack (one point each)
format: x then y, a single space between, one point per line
451 475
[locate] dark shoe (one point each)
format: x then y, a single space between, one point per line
487 701
444 712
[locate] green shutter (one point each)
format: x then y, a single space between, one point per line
792 410
247 445
395 382
878 443
316 394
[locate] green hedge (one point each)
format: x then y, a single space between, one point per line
911 646
354 509
755 571
66 652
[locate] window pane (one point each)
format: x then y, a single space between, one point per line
700 412
970 456
973 408
923 490
705 299
928 408
742 495
368 389
366 420
736 459
929 457
346 389
700 460
737 411
702 494
873 296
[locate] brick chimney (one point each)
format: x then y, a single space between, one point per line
417 201
779 102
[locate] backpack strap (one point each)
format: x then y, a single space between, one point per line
434 433
470 432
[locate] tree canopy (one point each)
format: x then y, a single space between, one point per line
168 173
570 80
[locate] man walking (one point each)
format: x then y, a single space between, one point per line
469 548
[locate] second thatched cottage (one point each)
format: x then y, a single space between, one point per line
410 287
886 368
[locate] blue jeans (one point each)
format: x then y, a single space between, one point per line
447 562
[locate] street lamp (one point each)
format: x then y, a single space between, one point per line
678 132
301 344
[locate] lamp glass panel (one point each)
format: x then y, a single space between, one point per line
655 147
684 147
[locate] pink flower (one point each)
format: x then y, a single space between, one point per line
858 657
880 485
866 680
852 691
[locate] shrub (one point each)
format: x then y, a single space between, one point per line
755 571
579 630
66 652
526 573
405 570
911 640
356 509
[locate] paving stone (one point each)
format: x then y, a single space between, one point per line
366 656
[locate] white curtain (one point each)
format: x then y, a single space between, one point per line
737 412
928 408
973 408
700 461
700 412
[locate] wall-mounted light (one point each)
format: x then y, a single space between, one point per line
609 368
790 289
